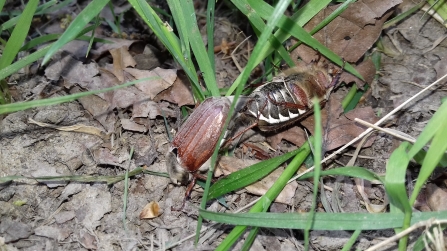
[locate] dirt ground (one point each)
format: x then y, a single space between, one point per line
82 215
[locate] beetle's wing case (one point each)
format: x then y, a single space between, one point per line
196 139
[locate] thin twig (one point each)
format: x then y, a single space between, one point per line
427 224
395 134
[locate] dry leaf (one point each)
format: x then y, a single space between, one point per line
351 34
179 93
149 59
294 135
121 60
72 71
229 165
73 128
155 86
106 47
103 156
99 108
132 126
152 109
342 127
151 210
87 240
436 198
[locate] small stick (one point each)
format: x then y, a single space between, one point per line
402 137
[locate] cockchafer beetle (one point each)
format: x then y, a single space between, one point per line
195 142
288 98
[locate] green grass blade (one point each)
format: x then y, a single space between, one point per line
210 8
440 7
402 16
348 98
92 35
248 175
55 8
18 35
110 180
434 155
2 3
187 26
178 14
13 21
256 56
395 179
317 148
51 37
8 108
269 197
170 40
250 239
7 71
349 171
83 18
395 187
323 221
289 26
293 27
271 45
326 20
436 122
352 240
126 189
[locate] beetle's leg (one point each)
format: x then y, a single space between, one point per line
187 193
337 74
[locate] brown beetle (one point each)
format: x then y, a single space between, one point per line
288 98
195 142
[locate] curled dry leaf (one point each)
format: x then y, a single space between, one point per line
121 60
151 210
155 86
179 93
73 128
372 208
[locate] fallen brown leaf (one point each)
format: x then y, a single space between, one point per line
71 70
155 86
436 197
73 128
103 156
151 210
179 93
87 240
151 109
121 60
294 135
341 127
106 47
351 34
132 126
